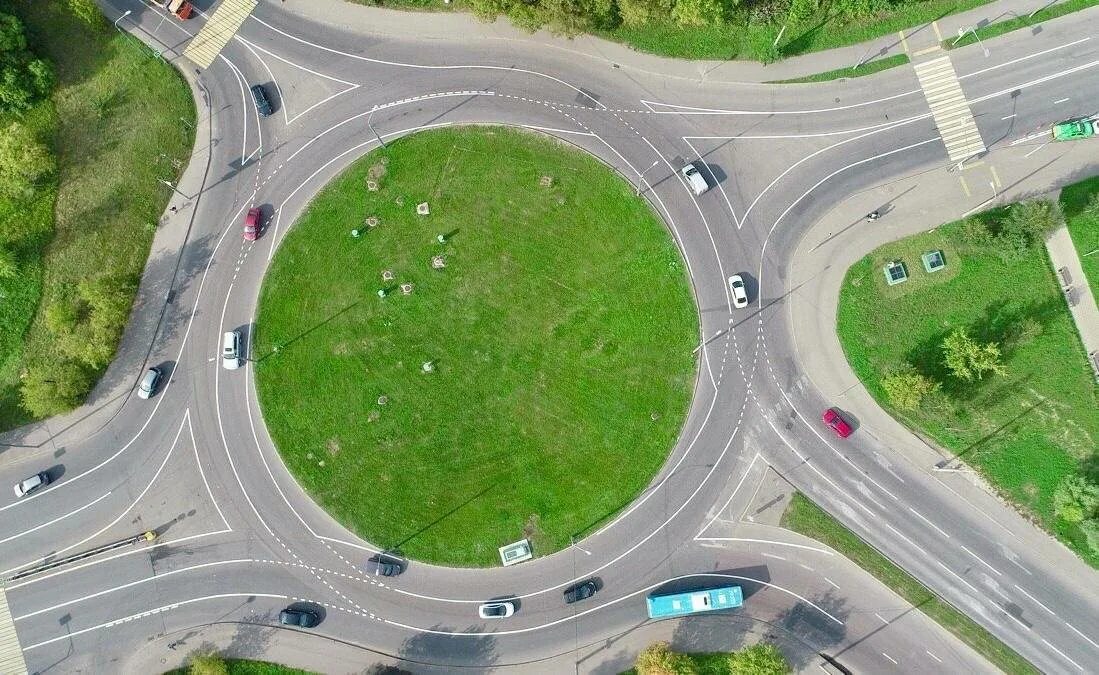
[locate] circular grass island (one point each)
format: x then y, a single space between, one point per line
515 363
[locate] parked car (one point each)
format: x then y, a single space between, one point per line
32 484
252 224
302 618
263 104
230 350
384 565
496 610
149 383
694 179
740 295
837 423
581 591
1070 130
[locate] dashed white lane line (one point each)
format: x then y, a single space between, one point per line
834 584
978 559
895 662
933 525
1063 655
772 555
1012 116
932 656
1059 101
881 618
1073 629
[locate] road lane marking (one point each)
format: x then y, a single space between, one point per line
1009 117
932 656
834 584
1059 101
881 618
890 658
904 41
11 653
949 108
921 517
1035 600
218 30
1063 655
965 186
938 33
55 520
978 558
772 555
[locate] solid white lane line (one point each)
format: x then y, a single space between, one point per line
1063 655
55 520
767 541
728 501
194 444
978 558
162 608
131 584
1059 101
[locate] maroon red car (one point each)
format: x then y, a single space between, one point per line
838 424
251 224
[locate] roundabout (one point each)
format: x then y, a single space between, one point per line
514 364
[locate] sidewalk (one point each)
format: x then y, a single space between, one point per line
463 27
1081 302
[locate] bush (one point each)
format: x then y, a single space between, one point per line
24 80
906 388
975 232
24 162
640 12
9 265
759 659
208 664
1027 224
54 387
698 12
659 659
969 360
1076 499
1090 529
87 11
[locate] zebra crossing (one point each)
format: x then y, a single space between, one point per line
950 108
219 29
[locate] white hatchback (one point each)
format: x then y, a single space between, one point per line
230 350
736 288
694 178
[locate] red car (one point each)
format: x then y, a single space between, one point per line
251 224
838 424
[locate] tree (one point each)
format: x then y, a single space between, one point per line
9 264
1090 528
659 659
906 388
1076 499
698 12
759 659
54 387
208 664
969 360
24 162
87 11
23 79
640 12
1027 224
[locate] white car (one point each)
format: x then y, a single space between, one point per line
694 179
496 610
29 485
740 295
230 350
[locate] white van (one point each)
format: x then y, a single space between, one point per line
695 179
230 350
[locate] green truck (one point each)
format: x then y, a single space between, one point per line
1071 130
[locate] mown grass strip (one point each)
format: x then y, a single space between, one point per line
848 72
1001 27
805 517
1081 206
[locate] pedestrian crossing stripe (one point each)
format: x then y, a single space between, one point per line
949 108
219 29
11 652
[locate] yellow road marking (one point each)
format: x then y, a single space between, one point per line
965 187
932 48
995 177
904 42
935 27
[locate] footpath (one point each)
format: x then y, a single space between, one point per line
1081 301
461 26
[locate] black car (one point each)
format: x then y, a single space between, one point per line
384 565
302 618
581 591
263 105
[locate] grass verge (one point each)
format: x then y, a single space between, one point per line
1008 25
561 331
1025 431
123 120
740 36
1083 226
243 667
847 73
805 517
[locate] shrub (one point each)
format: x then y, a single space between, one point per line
1076 499
54 387
641 12
24 162
208 664
759 659
659 659
1026 225
967 359
906 388
1090 529
24 80
698 12
87 11
975 232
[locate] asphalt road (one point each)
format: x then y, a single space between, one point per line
238 540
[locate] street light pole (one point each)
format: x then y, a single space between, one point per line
572 542
124 15
373 130
161 180
639 176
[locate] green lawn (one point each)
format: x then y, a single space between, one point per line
849 72
115 122
746 34
809 519
1084 226
1052 11
561 330
1025 431
242 667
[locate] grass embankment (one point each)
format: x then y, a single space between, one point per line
749 31
807 518
242 667
1084 228
993 30
848 72
1024 431
120 119
561 331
